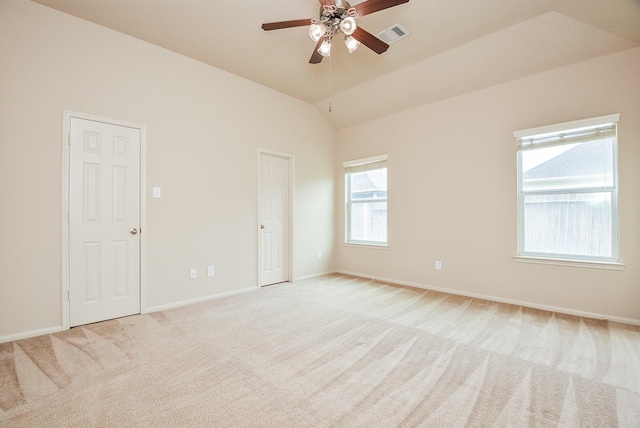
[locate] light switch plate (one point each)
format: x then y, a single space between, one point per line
157 192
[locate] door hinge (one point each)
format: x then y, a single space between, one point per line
69 139
69 295
68 217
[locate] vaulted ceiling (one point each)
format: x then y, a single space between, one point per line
454 46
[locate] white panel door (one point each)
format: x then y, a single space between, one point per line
274 221
104 221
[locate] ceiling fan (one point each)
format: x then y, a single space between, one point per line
338 16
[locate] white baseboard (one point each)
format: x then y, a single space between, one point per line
557 309
197 300
31 333
631 321
50 330
315 275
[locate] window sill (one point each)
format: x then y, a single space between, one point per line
571 263
366 245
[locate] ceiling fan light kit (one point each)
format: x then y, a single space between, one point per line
338 16
334 18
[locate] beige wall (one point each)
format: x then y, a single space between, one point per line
452 189
204 129
452 173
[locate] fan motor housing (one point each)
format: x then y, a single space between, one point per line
341 7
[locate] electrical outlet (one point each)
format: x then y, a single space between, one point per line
193 273
438 265
211 271
319 255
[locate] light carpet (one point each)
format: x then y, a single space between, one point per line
332 351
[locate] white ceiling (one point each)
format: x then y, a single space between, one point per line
455 46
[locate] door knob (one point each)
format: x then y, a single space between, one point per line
133 231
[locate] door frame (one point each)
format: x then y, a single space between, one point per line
67 116
291 211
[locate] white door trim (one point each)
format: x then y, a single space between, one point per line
292 162
66 129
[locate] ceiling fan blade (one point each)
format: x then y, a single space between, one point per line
369 40
327 2
316 57
285 24
370 6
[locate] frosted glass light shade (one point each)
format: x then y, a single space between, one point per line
316 31
351 43
325 48
348 25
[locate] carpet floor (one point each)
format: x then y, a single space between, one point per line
334 351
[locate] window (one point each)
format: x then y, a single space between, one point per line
567 191
366 200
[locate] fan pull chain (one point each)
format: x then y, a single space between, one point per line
330 89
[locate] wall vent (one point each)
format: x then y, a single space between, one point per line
393 34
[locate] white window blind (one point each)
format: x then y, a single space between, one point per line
366 164
568 137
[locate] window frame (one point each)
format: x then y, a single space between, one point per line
559 258
359 165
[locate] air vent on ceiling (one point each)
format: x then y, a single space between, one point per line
393 34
